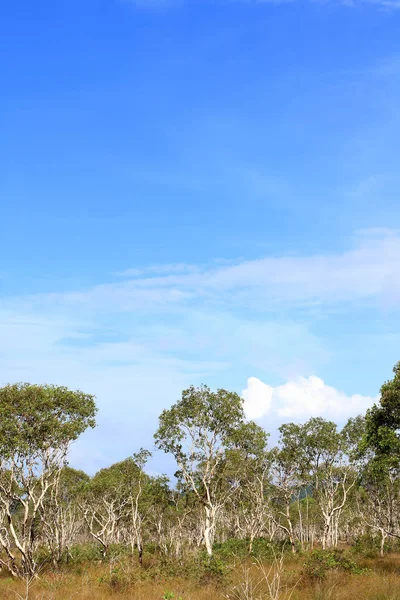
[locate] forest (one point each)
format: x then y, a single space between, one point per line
317 516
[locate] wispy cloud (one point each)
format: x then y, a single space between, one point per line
389 4
180 268
153 4
367 272
157 4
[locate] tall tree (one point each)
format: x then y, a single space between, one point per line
200 430
60 514
383 419
380 449
379 498
319 450
37 425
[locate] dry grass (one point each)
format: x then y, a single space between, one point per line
96 583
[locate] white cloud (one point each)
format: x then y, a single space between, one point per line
257 398
300 399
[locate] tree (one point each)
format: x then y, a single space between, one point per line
383 420
61 518
379 498
37 425
137 489
114 507
287 484
106 501
251 504
200 430
319 451
380 449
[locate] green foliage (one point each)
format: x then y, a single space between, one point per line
380 474
382 433
119 477
36 417
82 553
72 483
204 429
261 548
208 422
198 567
250 439
209 438
37 425
125 479
231 548
314 444
320 562
212 568
352 433
199 413
228 481
367 546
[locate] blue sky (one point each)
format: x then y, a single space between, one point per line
200 191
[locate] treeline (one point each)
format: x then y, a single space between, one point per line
319 486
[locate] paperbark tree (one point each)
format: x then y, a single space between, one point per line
60 514
320 451
382 430
379 498
286 472
135 494
37 425
251 504
200 430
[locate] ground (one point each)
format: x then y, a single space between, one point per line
100 582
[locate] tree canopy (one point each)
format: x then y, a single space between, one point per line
38 417
383 419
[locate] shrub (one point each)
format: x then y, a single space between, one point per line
320 562
212 568
261 548
231 548
81 553
367 545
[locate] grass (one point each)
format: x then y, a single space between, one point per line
123 581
